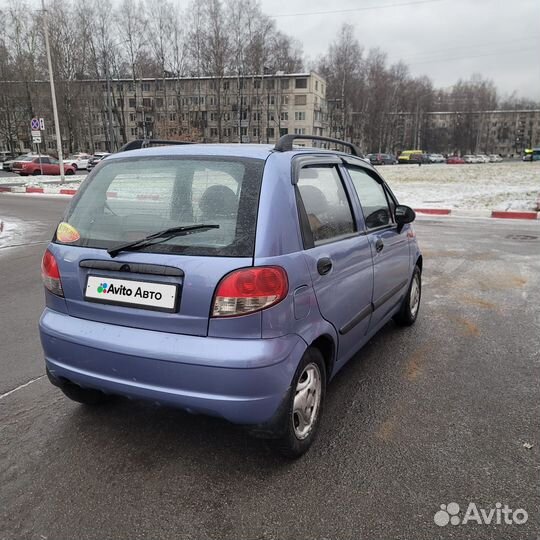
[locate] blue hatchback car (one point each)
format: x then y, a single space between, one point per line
228 280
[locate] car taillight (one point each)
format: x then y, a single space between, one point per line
249 290
50 274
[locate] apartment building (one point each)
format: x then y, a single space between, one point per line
101 115
504 132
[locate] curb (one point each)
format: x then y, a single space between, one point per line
433 211
514 215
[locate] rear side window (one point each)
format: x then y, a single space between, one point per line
129 199
372 199
325 202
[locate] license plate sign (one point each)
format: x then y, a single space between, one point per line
132 293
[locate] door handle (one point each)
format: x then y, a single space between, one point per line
379 244
324 265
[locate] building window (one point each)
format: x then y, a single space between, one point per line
271 117
272 100
270 132
286 99
244 115
283 131
147 103
243 131
133 131
284 116
226 85
257 84
172 117
256 116
120 103
300 100
301 83
299 131
255 132
300 115
145 87
159 103
211 100
316 85
213 132
132 103
132 117
270 84
284 84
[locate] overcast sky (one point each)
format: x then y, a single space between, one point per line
444 39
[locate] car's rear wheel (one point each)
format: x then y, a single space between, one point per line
302 417
411 303
70 171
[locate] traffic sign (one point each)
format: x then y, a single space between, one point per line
36 139
36 133
34 124
42 124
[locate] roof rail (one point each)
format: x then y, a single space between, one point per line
146 143
285 143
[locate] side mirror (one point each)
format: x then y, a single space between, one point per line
404 214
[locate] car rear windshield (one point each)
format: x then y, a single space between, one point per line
128 199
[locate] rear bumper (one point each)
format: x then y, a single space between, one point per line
241 380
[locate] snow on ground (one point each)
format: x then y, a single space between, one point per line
13 232
487 186
511 185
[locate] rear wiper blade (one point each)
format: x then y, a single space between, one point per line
160 236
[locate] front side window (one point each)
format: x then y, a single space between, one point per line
325 201
372 199
129 199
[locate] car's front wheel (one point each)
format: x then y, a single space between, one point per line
302 416
408 313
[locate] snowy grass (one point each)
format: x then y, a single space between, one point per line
491 186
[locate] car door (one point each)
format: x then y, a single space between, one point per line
337 251
389 245
45 165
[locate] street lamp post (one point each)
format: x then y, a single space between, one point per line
53 94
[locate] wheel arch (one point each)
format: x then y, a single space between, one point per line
326 346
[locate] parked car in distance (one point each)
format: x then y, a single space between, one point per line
35 165
8 165
482 158
436 158
406 155
6 156
381 159
495 158
240 292
95 159
418 158
455 160
470 158
79 161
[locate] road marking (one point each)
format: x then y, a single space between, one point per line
21 386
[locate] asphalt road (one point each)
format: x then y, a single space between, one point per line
423 416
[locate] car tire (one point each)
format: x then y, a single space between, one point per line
37 172
70 172
301 419
410 306
86 396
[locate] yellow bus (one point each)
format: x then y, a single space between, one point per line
405 156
